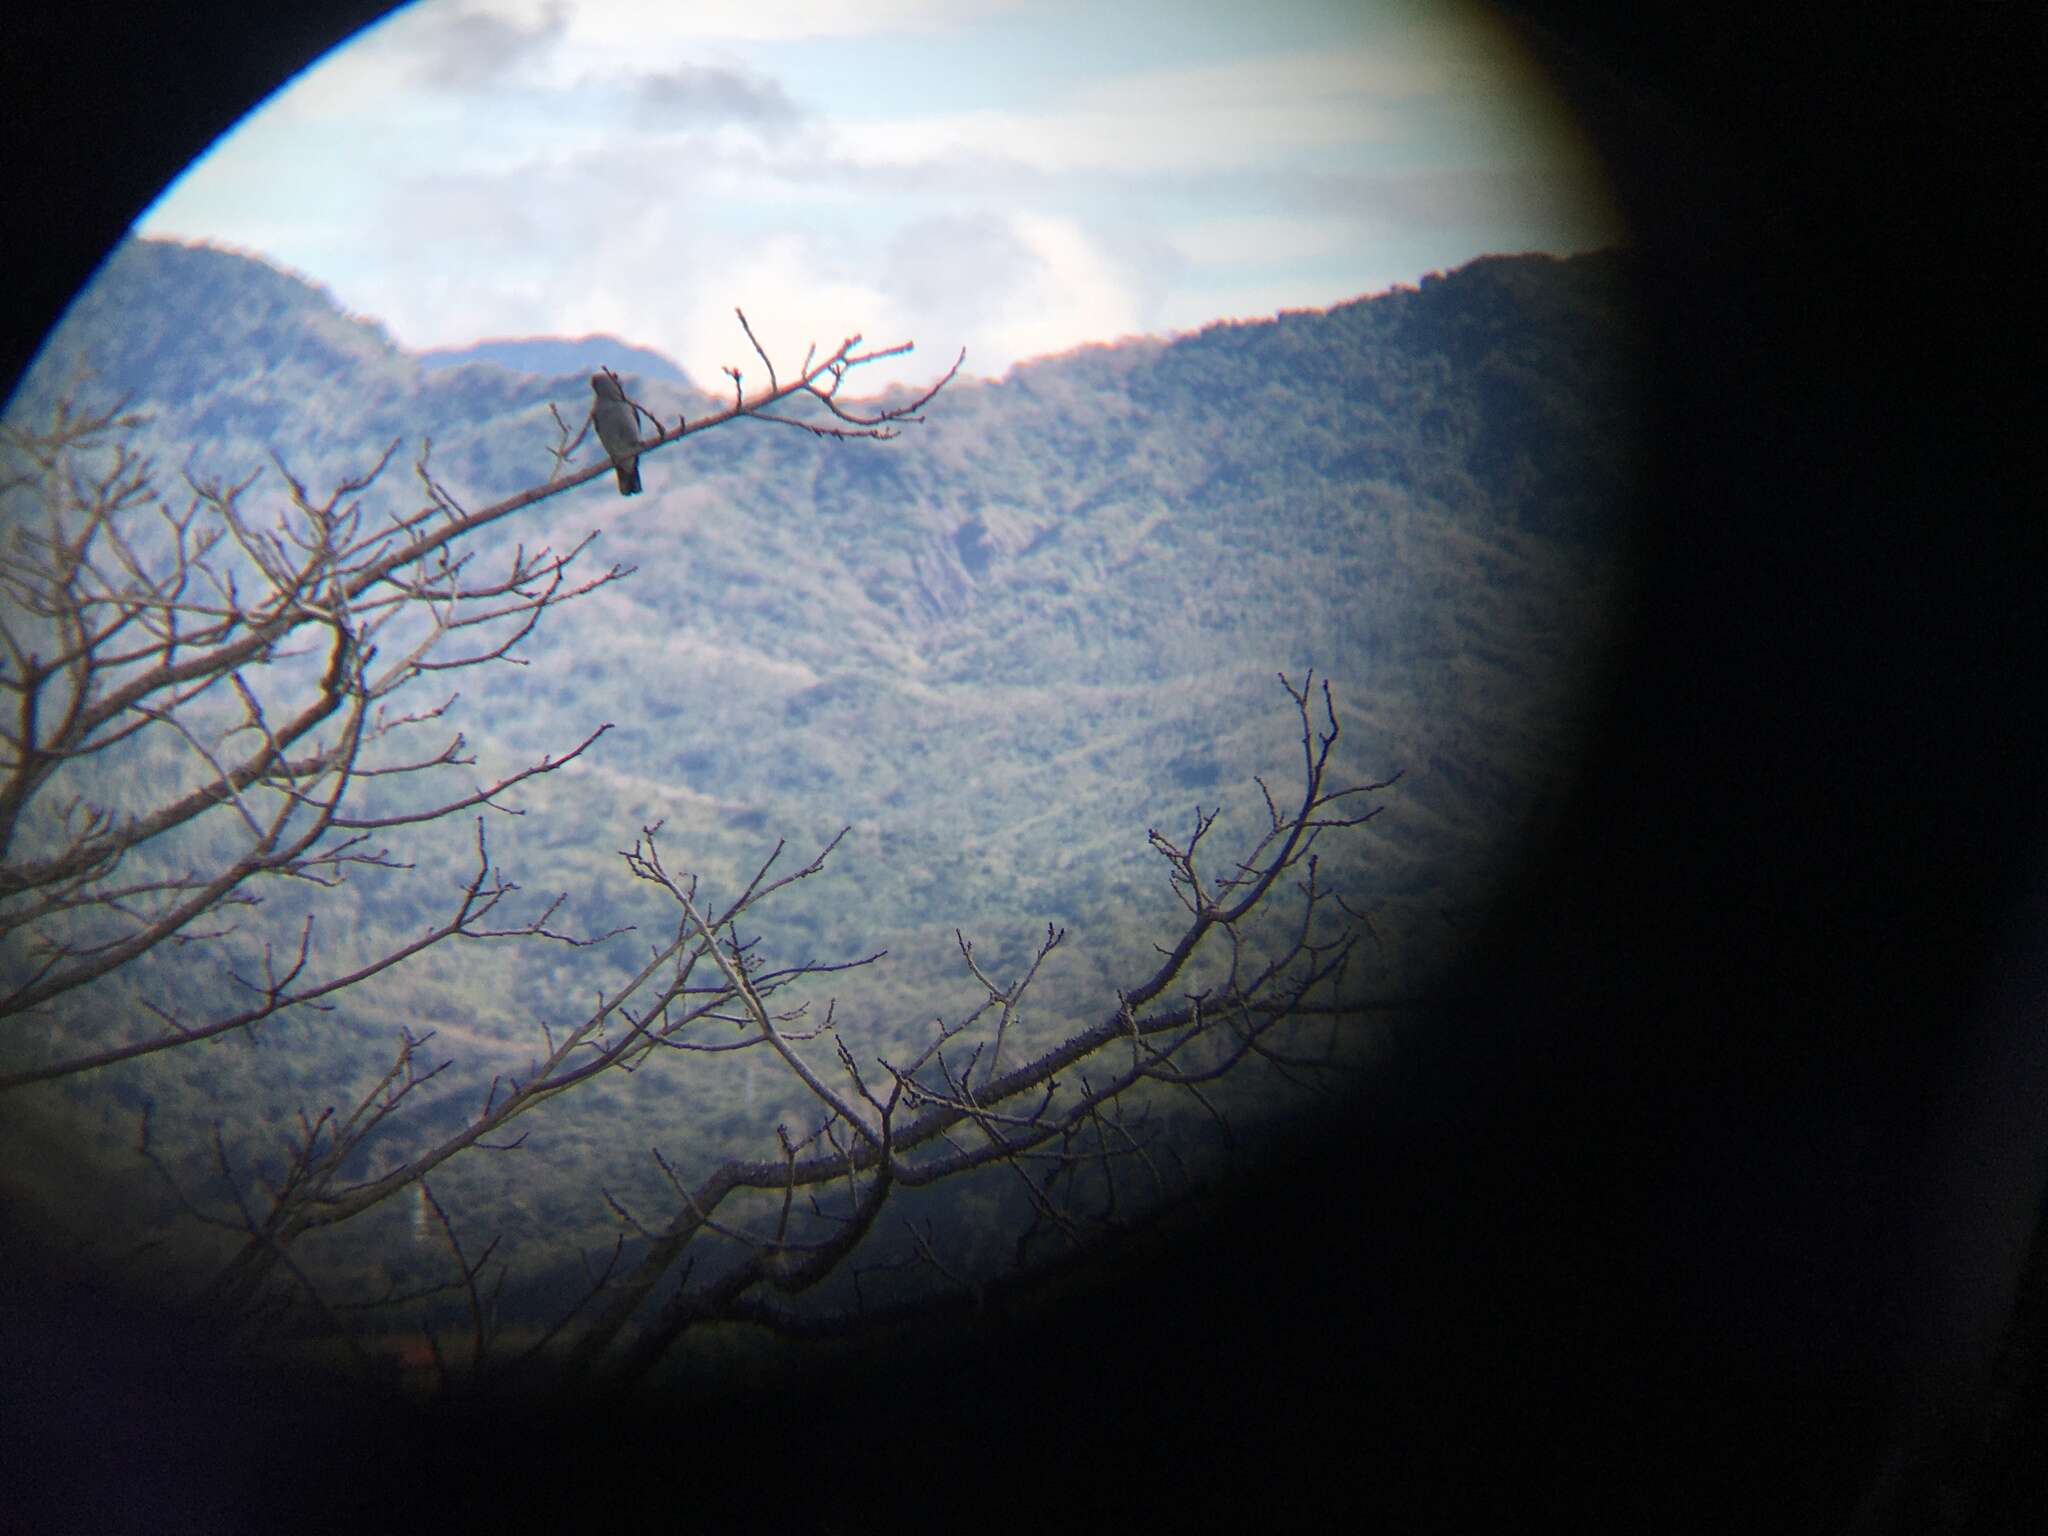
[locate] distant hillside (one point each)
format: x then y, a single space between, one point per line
553 356
999 649
1038 623
1415 493
221 346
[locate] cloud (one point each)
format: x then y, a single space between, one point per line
1565 199
1214 118
621 173
700 95
643 22
794 295
1077 292
945 269
433 49
603 242
477 45
1357 75
1260 239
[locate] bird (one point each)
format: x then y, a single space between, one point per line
616 429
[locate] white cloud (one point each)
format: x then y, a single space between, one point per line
689 95
791 298
532 166
443 47
434 48
1260 240
641 24
1076 294
1348 75
1215 118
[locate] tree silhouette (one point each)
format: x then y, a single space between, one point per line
288 667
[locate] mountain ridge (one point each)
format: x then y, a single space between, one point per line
553 356
1003 645
997 652
1417 493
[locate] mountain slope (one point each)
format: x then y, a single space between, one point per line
1000 648
554 355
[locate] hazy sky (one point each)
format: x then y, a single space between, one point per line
1014 178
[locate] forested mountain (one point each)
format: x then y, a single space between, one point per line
1000 648
556 355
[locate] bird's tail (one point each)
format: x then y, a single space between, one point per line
629 478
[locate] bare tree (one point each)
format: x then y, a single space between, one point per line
1072 1125
278 667
1069 1124
285 660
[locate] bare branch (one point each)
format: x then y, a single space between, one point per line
126 619
272 650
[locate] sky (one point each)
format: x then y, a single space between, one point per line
1015 179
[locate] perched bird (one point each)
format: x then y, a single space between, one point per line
617 431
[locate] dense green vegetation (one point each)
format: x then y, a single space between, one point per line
999 649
